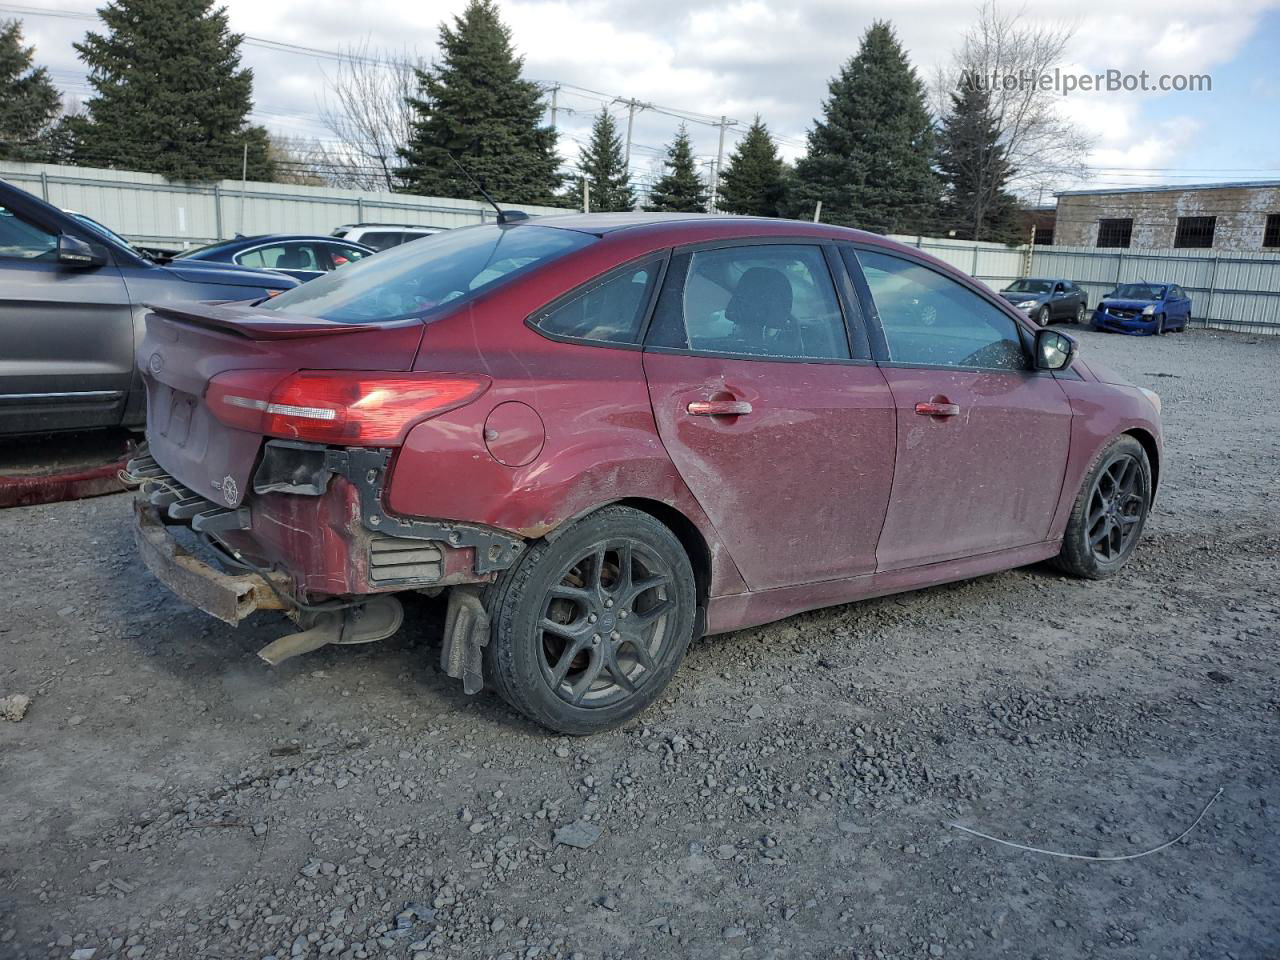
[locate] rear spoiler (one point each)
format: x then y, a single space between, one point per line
254 324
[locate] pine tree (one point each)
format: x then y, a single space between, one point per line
975 169
870 157
605 168
475 105
29 102
754 179
680 189
171 97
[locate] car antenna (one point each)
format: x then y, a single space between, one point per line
504 216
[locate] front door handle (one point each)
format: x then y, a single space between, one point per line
719 408
936 408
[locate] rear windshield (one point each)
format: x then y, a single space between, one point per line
414 279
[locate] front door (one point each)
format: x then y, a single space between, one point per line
66 335
982 438
783 433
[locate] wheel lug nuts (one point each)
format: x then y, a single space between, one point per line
608 603
595 639
615 635
592 618
622 614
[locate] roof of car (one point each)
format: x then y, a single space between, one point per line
601 224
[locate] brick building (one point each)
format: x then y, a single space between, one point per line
1216 216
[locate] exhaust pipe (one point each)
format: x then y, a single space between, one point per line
375 619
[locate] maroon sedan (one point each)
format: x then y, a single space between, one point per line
606 435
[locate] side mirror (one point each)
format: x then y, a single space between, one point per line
74 252
1054 350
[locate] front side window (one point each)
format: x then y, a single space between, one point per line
22 240
415 278
930 319
771 300
609 312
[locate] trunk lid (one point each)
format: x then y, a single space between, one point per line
186 345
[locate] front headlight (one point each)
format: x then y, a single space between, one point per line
1153 397
1028 304
1148 311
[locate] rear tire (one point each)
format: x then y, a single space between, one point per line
1110 512
1080 313
589 628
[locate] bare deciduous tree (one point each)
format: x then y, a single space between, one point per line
1043 148
366 110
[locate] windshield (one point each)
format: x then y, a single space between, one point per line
1029 286
1138 291
412 279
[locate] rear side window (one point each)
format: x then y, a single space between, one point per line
772 300
285 256
416 278
608 311
932 320
382 239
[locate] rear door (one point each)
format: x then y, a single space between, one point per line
777 420
982 438
66 334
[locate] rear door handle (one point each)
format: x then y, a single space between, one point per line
719 408
933 408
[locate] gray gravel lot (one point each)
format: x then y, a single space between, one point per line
168 795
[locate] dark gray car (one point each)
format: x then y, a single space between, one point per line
1046 299
72 303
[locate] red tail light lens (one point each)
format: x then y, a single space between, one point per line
351 408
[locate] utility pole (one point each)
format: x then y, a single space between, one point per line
715 171
632 106
586 195
817 212
555 89
244 182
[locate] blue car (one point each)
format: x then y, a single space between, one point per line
301 257
1143 308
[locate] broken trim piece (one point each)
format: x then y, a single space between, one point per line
367 471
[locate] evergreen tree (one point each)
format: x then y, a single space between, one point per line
680 189
475 105
870 157
754 179
171 97
29 102
975 169
605 168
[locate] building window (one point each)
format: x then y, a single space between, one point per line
1271 236
1115 233
1194 232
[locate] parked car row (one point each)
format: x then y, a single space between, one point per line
1134 308
74 294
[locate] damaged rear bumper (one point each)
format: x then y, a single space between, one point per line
229 597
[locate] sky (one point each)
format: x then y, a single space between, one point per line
745 57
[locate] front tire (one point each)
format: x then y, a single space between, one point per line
1160 326
1110 512
1042 317
589 628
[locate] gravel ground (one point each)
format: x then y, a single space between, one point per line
167 795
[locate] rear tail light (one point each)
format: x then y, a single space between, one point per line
351 408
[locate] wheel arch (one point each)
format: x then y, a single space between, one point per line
1153 454
685 530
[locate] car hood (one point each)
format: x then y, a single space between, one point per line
211 271
1021 297
1101 372
1129 304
